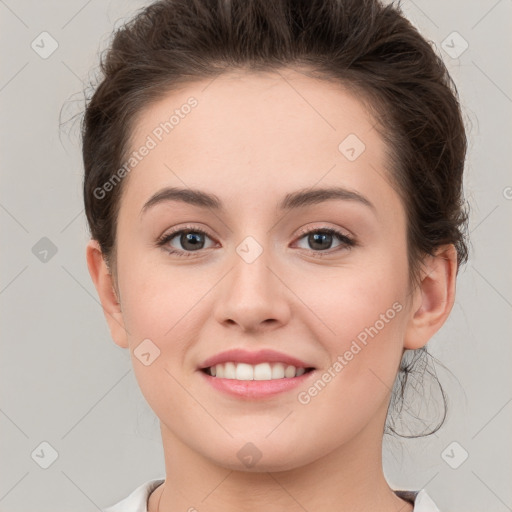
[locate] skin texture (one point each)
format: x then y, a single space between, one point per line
252 139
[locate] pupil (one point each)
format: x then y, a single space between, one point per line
193 238
316 236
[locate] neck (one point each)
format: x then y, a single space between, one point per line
349 478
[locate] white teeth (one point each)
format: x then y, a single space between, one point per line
289 372
243 371
261 371
278 371
229 371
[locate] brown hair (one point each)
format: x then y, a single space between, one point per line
363 45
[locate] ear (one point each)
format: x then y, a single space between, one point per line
433 299
103 282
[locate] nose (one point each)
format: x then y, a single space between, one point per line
253 295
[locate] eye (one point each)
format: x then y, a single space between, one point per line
321 239
191 239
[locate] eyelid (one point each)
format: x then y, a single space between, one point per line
186 227
347 241
323 227
164 238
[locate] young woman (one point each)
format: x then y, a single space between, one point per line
274 193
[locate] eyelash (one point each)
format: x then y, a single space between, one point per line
347 242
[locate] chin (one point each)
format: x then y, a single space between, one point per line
264 465
259 455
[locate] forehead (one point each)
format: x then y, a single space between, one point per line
248 133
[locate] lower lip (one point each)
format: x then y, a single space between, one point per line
255 388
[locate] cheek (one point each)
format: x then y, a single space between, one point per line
359 315
160 307
340 303
364 355
159 301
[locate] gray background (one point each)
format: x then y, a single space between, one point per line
65 382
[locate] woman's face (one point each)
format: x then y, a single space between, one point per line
255 280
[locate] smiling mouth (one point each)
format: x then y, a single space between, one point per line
261 371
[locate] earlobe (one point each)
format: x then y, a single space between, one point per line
103 282
434 297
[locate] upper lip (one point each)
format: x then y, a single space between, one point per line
238 355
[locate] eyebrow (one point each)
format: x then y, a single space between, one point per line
291 201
